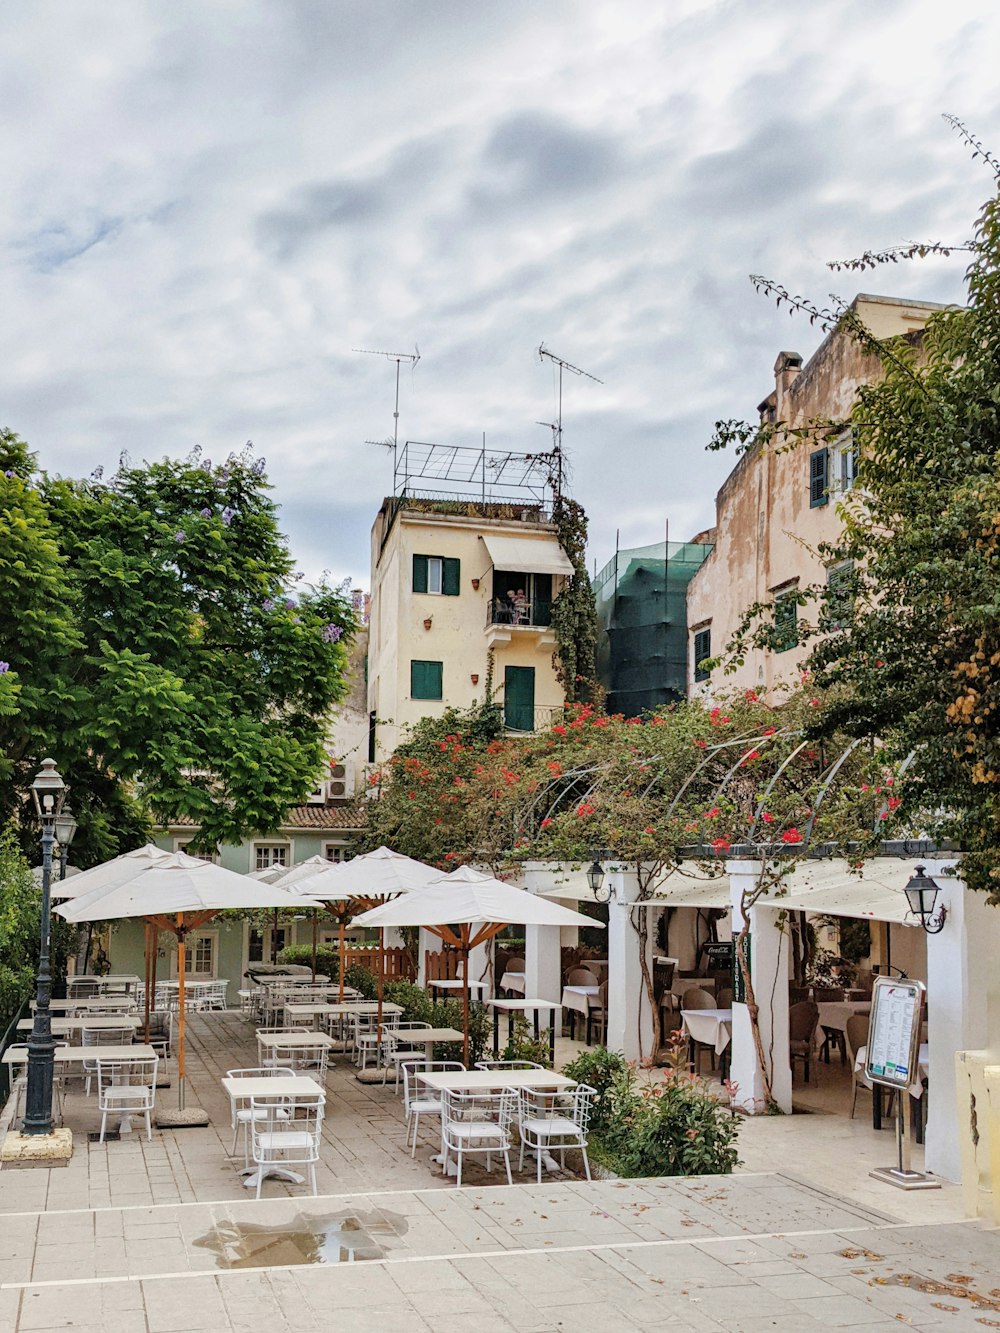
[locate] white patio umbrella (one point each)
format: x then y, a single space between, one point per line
178 894
451 906
289 878
345 887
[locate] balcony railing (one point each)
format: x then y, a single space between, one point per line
543 718
522 612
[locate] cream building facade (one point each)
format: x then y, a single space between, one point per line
775 508
461 598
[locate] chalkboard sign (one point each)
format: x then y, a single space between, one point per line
894 1032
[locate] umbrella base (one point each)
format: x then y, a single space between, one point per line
373 1076
192 1117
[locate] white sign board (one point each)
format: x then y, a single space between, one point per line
894 1032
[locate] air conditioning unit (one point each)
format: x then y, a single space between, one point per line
317 797
340 785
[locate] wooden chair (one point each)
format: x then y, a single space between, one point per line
857 1036
803 1020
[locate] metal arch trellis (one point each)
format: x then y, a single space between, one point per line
583 782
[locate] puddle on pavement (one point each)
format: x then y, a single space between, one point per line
336 1238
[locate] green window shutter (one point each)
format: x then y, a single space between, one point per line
786 613
702 649
451 577
426 680
419 573
819 477
839 594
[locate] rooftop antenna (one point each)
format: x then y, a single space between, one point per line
413 357
545 354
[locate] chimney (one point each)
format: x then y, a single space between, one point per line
786 368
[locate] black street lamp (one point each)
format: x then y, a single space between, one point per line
921 894
49 794
65 831
595 878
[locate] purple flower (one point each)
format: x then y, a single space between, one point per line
268 603
228 515
4 668
290 603
331 633
180 536
206 512
207 465
9 472
259 466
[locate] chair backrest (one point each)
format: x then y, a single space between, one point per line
82 988
724 998
581 976
270 1122
137 1073
266 1071
508 1064
566 1104
465 1107
514 964
828 994
803 1019
106 1036
856 1031
160 1023
697 998
796 994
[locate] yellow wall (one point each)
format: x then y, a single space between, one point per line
459 636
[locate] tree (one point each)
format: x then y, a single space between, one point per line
158 646
909 654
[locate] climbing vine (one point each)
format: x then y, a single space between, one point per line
574 611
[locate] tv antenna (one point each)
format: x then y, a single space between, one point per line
543 355
399 357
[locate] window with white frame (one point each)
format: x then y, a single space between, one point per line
843 463
201 953
262 944
199 853
335 851
268 854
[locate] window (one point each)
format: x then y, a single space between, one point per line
819 477
702 649
263 946
436 574
372 726
426 680
199 854
521 599
786 614
335 851
200 949
844 463
267 854
839 594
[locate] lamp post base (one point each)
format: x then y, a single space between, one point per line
37 1149
904 1180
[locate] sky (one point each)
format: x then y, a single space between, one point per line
207 208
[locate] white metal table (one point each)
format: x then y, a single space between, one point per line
63 1027
525 1006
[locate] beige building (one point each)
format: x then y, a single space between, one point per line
775 509
462 592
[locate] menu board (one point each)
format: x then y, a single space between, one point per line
894 1032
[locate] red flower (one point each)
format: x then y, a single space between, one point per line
702 745
554 767
649 829
791 835
750 756
721 845
768 731
559 729
751 696
894 802
545 823
767 817
585 808
713 813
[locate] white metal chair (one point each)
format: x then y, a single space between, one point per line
476 1122
364 1029
101 1037
398 1046
419 1100
265 1051
240 1115
286 1135
126 1087
215 995
161 1031
553 1122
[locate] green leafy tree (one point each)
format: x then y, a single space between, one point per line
158 645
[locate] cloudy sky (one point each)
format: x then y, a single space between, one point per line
206 207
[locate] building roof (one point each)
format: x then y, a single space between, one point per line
334 817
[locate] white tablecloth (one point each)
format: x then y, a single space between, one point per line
513 981
711 1027
923 1062
580 998
835 1013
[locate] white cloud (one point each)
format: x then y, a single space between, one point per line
205 208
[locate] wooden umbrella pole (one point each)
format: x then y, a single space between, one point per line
380 985
314 945
180 1009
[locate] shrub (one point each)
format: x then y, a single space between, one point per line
418 1007
301 955
362 979
601 1069
524 1045
676 1128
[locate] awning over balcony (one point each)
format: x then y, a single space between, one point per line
526 555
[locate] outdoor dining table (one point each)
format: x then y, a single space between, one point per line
298 1037
91 1004
77 1055
524 1006
709 1027
833 1016
288 1088
514 981
457 984
62 1027
579 1000
428 1038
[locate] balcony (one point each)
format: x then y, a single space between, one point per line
518 616
543 718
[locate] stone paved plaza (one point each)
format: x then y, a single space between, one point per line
133 1237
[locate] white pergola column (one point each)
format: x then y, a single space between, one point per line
769 963
961 974
630 1019
542 953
